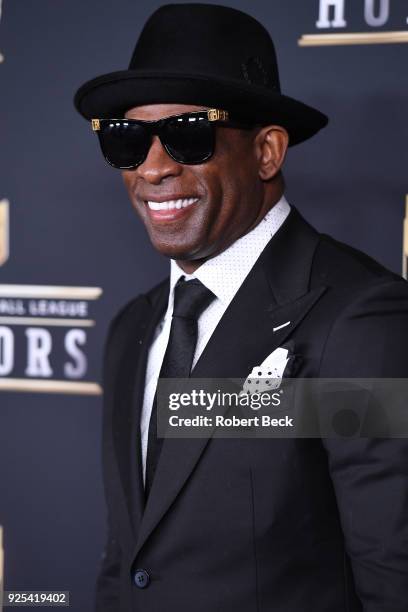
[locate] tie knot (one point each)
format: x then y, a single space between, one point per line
191 298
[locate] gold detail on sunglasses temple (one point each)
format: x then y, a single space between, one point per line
213 114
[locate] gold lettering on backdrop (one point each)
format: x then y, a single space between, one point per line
4 231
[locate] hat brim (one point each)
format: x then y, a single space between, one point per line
111 95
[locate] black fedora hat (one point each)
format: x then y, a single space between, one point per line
207 55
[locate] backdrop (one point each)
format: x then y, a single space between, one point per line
72 251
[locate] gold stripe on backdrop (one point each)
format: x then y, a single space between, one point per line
50 292
50 386
47 321
353 38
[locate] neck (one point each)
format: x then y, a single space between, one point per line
190 266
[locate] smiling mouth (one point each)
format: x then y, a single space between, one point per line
171 204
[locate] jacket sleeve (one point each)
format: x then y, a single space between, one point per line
107 594
108 581
370 475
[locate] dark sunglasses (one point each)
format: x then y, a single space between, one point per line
188 138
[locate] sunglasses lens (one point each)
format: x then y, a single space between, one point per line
124 144
189 139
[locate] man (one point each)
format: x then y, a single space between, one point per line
200 130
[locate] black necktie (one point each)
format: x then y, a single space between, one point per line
191 298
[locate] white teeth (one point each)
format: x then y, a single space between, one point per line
171 204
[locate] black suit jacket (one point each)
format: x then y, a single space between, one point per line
261 525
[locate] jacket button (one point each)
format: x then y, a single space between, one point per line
141 578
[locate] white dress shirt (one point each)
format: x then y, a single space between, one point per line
223 275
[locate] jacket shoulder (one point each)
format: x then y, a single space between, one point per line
129 308
338 264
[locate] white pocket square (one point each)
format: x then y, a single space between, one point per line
268 375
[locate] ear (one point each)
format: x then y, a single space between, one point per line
271 145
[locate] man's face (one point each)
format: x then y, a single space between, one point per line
225 194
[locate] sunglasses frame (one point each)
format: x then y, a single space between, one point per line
211 115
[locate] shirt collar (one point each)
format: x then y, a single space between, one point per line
225 273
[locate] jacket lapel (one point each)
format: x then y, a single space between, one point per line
133 345
275 291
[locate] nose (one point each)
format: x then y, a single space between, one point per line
158 164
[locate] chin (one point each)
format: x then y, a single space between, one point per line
179 252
